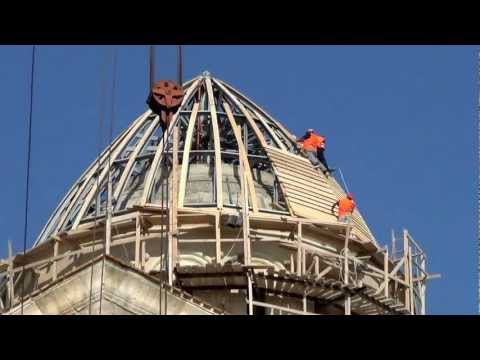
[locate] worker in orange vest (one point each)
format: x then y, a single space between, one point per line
314 147
346 206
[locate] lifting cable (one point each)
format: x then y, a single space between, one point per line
167 217
108 208
29 145
169 229
478 174
101 120
151 77
164 193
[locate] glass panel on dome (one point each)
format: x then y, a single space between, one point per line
235 110
76 208
268 193
200 186
182 131
203 98
280 133
133 189
53 223
228 142
267 188
266 134
151 144
189 104
217 96
101 198
231 185
160 182
289 144
125 154
250 140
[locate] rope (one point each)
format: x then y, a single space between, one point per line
343 180
25 227
152 66
162 163
236 238
478 190
179 65
167 216
109 199
101 120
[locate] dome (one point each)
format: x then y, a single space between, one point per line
218 126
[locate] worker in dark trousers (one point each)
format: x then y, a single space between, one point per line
314 147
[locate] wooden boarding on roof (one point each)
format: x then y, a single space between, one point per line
309 192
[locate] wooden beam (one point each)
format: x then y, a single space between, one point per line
346 272
109 213
174 207
243 156
186 154
423 287
245 217
411 285
143 254
216 141
269 130
137 240
250 294
385 269
11 289
218 244
158 153
304 261
55 254
307 271
299 250
324 272
406 269
281 308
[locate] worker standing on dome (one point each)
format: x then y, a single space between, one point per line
314 147
346 206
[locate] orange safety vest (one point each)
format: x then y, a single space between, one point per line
345 206
314 142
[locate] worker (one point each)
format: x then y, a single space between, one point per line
314 147
346 206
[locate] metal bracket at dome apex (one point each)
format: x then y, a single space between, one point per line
206 73
164 99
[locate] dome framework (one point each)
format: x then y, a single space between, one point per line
224 206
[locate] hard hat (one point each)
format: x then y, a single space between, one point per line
310 130
350 195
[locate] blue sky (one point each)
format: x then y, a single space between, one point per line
400 122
